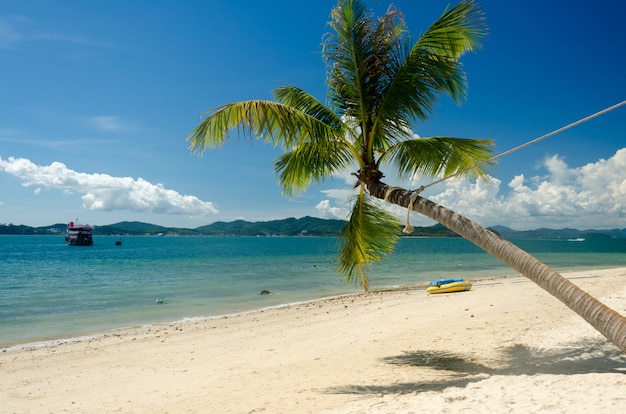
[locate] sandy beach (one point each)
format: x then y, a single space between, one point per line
505 346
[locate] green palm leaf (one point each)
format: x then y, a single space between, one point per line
315 155
298 99
443 156
429 67
351 51
370 234
273 122
313 160
459 30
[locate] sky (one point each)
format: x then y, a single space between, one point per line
97 98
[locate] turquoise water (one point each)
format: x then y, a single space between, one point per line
49 290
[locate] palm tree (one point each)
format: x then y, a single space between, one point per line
380 83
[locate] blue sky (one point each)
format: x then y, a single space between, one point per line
97 99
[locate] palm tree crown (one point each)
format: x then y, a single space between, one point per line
380 84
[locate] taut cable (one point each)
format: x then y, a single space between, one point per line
541 138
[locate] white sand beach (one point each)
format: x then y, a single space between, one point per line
505 346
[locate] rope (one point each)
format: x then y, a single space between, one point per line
409 229
541 138
389 191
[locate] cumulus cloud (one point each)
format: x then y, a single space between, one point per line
327 210
104 192
591 196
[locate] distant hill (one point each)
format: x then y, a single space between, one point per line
130 227
566 233
305 226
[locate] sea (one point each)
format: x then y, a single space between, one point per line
50 291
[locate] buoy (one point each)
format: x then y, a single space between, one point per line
159 301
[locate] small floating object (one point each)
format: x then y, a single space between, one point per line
444 281
265 292
160 301
460 286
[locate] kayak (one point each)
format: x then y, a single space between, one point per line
444 281
450 287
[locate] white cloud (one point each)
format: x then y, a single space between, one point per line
326 210
591 196
104 192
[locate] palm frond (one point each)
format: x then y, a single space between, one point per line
365 64
431 66
312 160
370 235
273 122
349 53
459 30
301 100
412 94
362 56
435 156
312 157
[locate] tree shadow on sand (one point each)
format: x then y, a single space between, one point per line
460 369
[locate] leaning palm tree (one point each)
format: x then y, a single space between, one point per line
380 84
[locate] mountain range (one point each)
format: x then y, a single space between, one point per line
305 226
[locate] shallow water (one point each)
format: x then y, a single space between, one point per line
50 290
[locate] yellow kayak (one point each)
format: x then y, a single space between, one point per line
450 287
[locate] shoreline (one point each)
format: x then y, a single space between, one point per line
505 345
70 296
93 335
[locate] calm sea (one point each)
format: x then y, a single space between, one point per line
49 290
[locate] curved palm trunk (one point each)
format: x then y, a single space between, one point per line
607 321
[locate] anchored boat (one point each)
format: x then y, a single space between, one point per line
79 234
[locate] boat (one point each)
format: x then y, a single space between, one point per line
444 281
456 286
578 239
79 234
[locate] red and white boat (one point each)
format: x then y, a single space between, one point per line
79 234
